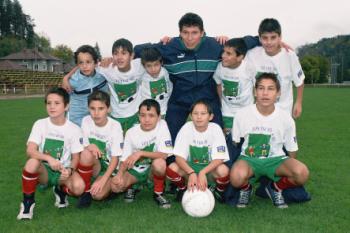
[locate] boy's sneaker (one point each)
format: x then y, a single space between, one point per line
276 196
130 195
84 200
180 194
111 197
161 201
61 198
219 196
171 189
244 196
26 210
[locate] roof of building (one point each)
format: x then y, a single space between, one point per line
9 65
30 54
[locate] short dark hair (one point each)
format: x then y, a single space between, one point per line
270 76
238 45
99 96
150 54
191 20
86 49
205 103
58 91
149 103
270 25
124 44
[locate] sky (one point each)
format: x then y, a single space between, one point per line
77 22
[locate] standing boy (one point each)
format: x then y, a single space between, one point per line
53 148
146 147
266 129
103 139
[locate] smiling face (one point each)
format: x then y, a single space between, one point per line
191 36
122 59
230 58
271 42
266 93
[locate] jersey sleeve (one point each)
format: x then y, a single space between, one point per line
74 80
36 133
298 75
219 148
85 131
117 140
236 130
217 74
76 141
182 143
164 143
290 140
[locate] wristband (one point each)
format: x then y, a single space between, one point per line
190 173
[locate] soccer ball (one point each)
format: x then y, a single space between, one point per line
198 203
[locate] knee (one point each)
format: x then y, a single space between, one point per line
78 187
222 170
86 157
32 165
301 174
238 177
159 165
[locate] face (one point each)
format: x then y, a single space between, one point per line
98 112
266 93
55 106
153 68
122 59
271 42
230 58
201 117
86 64
191 36
148 118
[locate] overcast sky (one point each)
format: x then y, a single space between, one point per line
78 22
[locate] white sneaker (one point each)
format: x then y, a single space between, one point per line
61 198
26 212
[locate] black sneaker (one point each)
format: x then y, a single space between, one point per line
180 194
276 196
84 200
218 195
161 201
171 189
244 196
26 210
130 195
61 198
111 197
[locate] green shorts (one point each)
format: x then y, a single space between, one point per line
128 122
228 122
264 167
198 167
53 177
141 177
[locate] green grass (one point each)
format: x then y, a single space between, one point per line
323 136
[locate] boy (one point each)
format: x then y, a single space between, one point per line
200 149
155 82
53 148
103 139
146 147
271 58
235 80
84 81
266 128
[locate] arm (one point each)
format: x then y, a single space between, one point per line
65 80
219 90
251 41
297 109
192 176
67 172
32 152
134 157
202 178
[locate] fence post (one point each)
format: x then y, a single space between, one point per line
5 91
43 88
25 88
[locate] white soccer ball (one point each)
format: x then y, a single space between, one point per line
198 203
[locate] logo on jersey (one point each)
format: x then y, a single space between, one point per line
300 73
168 143
221 149
181 55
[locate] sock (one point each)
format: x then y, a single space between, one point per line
245 186
29 182
158 184
86 173
175 178
221 183
284 183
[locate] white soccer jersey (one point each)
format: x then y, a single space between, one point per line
156 140
201 147
264 136
59 141
287 67
109 138
159 88
124 88
237 87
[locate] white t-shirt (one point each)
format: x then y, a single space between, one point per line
201 147
124 88
59 141
237 87
287 67
264 136
159 88
156 140
108 138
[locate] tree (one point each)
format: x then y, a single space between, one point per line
11 44
42 43
97 48
63 52
316 68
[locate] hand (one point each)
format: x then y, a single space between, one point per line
202 181
297 109
132 159
97 186
286 46
65 173
55 164
222 39
106 61
94 150
165 40
66 85
192 182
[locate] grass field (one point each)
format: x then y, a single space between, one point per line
323 136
